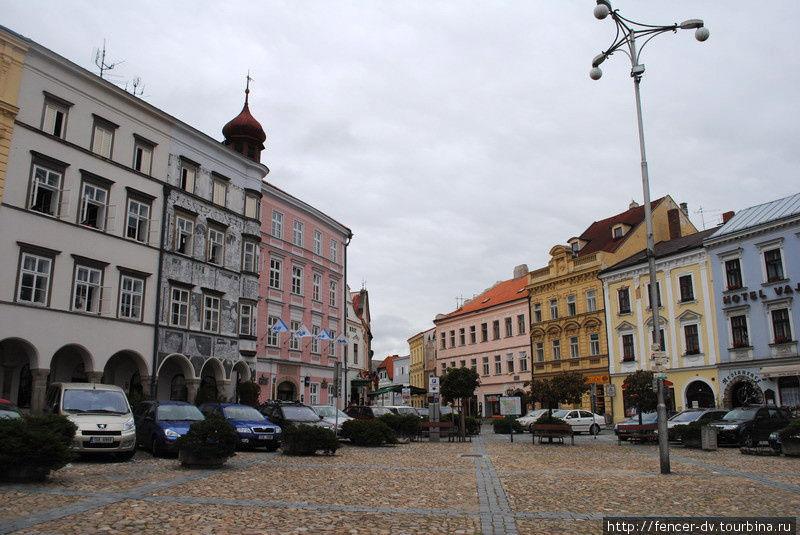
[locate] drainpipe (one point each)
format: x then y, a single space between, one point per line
157 319
344 321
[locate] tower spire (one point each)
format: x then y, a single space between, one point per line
244 133
247 88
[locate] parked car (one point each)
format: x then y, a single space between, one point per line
332 415
424 412
749 426
285 413
403 409
581 420
101 412
8 409
529 419
254 429
366 412
688 416
160 423
775 441
647 418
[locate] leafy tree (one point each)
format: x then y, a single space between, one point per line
638 392
566 387
248 393
459 384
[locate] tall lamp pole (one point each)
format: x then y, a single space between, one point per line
628 32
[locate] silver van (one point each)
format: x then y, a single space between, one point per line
102 414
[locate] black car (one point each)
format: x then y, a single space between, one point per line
685 417
749 426
252 427
285 413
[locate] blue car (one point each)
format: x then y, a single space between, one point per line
254 429
160 423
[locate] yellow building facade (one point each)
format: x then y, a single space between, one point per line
12 58
568 320
686 318
416 376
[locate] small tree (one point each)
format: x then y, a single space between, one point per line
566 387
459 384
638 392
248 393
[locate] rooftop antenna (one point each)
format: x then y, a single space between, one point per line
363 283
460 301
136 87
100 61
702 211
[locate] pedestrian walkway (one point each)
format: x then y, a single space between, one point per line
489 486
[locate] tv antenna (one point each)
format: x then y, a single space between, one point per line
136 87
100 61
702 211
460 301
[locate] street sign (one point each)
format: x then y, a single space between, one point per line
433 385
659 376
510 405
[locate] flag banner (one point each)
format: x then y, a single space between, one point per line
342 340
302 332
280 327
324 335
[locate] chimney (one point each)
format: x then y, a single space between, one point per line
674 222
520 271
633 205
685 209
726 216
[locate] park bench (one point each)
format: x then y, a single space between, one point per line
551 431
637 432
446 429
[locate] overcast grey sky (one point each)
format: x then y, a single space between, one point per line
459 139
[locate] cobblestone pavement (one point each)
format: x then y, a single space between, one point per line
489 486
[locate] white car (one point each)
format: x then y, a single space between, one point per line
328 414
581 421
529 419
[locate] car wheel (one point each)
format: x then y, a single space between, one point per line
156 448
747 440
125 455
594 429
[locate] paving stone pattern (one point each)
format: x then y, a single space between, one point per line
489 487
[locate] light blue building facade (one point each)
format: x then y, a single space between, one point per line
755 262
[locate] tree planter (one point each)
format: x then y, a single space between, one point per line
691 443
192 460
25 473
791 447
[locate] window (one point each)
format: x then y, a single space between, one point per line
739 331
331 344
773 265
179 307
556 349
297 280
498 366
692 339
355 353
184 232
316 285
571 309
473 364
658 293
485 365
131 294
452 339
523 361
461 337
573 347
247 319
733 274
249 256
781 328
462 364
594 344
216 246
273 338
686 287
277 224
94 206
624 300
663 340
554 309
294 341
484 332
443 340
617 232
539 348
297 233
314 339
317 242
332 301
87 289
472 334
444 368
54 120
510 362
521 324
46 190
509 327
219 191
275 273
211 313
591 301
34 279
137 226
313 396
628 351
251 205
188 174
334 251
143 156
103 137
496 330
537 313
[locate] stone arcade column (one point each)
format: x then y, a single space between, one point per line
38 390
192 386
145 382
94 377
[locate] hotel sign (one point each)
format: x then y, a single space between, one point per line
755 295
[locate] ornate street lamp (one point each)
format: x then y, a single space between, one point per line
628 32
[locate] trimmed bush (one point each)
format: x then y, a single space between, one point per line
548 419
791 431
308 439
501 425
472 425
690 434
404 425
248 393
38 443
368 433
212 438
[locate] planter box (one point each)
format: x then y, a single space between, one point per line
791 447
25 473
691 443
189 459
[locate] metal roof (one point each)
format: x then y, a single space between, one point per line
760 214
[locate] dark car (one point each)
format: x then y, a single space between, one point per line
8 409
285 413
647 418
366 412
749 426
685 417
160 423
254 429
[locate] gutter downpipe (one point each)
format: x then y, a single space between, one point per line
157 319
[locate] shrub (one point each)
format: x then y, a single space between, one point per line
248 393
368 433
690 432
549 419
472 425
501 425
212 438
406 425
41 443
308 439
791 431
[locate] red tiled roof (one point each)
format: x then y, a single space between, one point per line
356 299
388 363
599 237
502 292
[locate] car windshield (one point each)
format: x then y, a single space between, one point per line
446 410
686 416
380 411
7 413
178 412
242 412
301 413
109 401
423 411
535 414
560 413
741 414
326 411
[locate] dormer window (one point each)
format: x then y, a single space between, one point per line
617 232
575 247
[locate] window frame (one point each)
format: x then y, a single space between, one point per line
98 184
684 298
521 327
187 176
273 338
688 348
276 228
591 301
143 201
211 243
297 280
484 332
254 255
182 231
48 167
298 229
554 309
572 307
658 296
208 320
498 365
81 264
182 290
275 273
254 201
574 347
486 367
555 347
473 335
142 145
294 341
106 126
767 264
317 243
316 286
334 290
538 348
57 104
38 254
626 291
594 344
509 324
628 349
787 321
334 251
219 185
537 313
121 292
744 328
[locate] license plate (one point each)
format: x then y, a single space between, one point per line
103 440
264 437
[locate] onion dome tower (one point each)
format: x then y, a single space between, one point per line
243 133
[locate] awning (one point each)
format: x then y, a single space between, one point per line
789 370
415 390
360 382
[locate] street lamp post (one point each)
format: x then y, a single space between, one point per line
628 32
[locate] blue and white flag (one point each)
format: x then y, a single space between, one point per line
302 332
324 335
280 327
342 340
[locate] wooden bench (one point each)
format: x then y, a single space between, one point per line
446 429
551 431
637 432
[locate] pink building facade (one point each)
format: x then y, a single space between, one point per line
489 334
301 284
